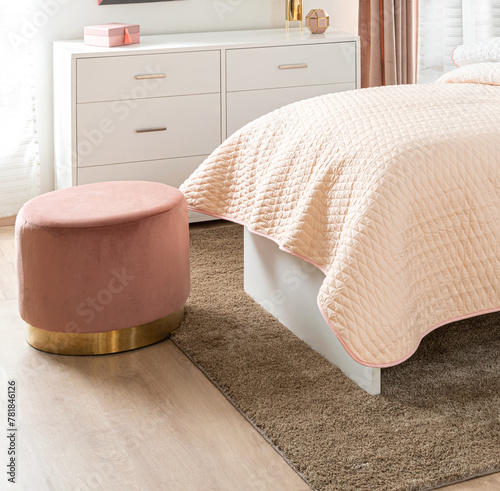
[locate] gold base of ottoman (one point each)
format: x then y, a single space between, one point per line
100 343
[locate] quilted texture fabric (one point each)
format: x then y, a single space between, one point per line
477 52
393 192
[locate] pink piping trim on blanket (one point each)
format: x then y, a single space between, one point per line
452 59
332 326
240 222
401 360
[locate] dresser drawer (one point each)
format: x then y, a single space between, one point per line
289 66
114 132
123 77
169 171
247 105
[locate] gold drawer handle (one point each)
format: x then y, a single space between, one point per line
288 67
149 130
150 75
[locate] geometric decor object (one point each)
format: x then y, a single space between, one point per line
317 21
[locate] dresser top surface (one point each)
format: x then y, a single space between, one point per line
208 40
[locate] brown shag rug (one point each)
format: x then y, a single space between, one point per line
437 420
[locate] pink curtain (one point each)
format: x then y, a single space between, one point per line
388 32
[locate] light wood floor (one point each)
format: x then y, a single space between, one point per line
7 221
143 420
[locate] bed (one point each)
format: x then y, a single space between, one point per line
372 216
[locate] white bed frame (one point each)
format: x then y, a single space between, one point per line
287 287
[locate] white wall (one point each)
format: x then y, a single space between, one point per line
48 20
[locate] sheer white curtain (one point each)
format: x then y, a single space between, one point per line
445 24
19 161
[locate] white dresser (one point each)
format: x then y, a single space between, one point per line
154 110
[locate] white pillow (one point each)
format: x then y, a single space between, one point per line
477 52
479 73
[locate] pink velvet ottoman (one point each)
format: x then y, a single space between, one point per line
103 267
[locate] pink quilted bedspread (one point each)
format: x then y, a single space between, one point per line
393 192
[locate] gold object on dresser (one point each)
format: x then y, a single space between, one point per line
294 12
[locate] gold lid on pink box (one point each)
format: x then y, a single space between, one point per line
112 29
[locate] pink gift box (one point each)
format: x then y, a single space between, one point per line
109 35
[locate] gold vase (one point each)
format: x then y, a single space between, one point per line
294 12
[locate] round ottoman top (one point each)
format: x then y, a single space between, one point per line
102 204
